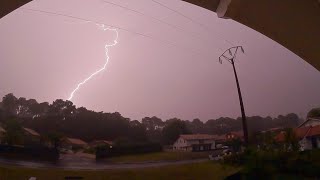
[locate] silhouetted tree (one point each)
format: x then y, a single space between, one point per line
55 139
152 123
9 103
314 113
173 129
63 116
13 134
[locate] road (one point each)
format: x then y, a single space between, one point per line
90 164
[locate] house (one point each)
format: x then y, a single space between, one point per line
220 140
31 132
234 135
308 136
195 142
73 144
96 143
2 133
273 130
310 122
31 137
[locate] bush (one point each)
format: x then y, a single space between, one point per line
90 150
268 164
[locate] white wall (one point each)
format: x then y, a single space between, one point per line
305 144
181 143
312 123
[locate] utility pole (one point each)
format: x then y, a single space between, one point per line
230 55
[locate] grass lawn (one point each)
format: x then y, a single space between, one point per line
159 156
206 170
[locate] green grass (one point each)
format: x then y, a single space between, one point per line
159 156
206 170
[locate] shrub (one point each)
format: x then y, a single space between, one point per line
267 164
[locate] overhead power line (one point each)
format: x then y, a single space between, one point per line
194 35
118 27
188 18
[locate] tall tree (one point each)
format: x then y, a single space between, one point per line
152 123
10 103
14 132
173 129
314 113
55 139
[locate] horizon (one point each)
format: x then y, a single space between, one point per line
204 121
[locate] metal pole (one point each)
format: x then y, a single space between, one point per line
230 55
243 114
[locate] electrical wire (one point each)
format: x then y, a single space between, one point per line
118 27
188 18
194 35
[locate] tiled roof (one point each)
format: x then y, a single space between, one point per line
2 130
314 131
220 137
236 133
198 136
101 142
76 141
309 119
273 129
301 133
32 132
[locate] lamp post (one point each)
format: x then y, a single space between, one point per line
230 55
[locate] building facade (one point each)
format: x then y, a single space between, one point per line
307 134
195 142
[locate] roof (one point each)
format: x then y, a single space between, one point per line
273 129
31 131
101 142
220 137
198 136
237 133
301 132
2 130
308 120
76 141
314 131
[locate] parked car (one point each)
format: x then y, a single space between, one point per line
220 155
226 152
215 158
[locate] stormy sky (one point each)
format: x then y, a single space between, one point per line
165 63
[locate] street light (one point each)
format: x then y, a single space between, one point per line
230 55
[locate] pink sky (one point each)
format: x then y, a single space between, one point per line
174 74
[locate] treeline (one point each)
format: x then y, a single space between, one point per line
63 117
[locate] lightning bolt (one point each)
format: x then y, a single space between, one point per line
104 28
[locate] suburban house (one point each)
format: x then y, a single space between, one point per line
273 130
31 136
195 142
31 132
220 140
73 144
310 122
308 136
2 133
234 135
101 143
